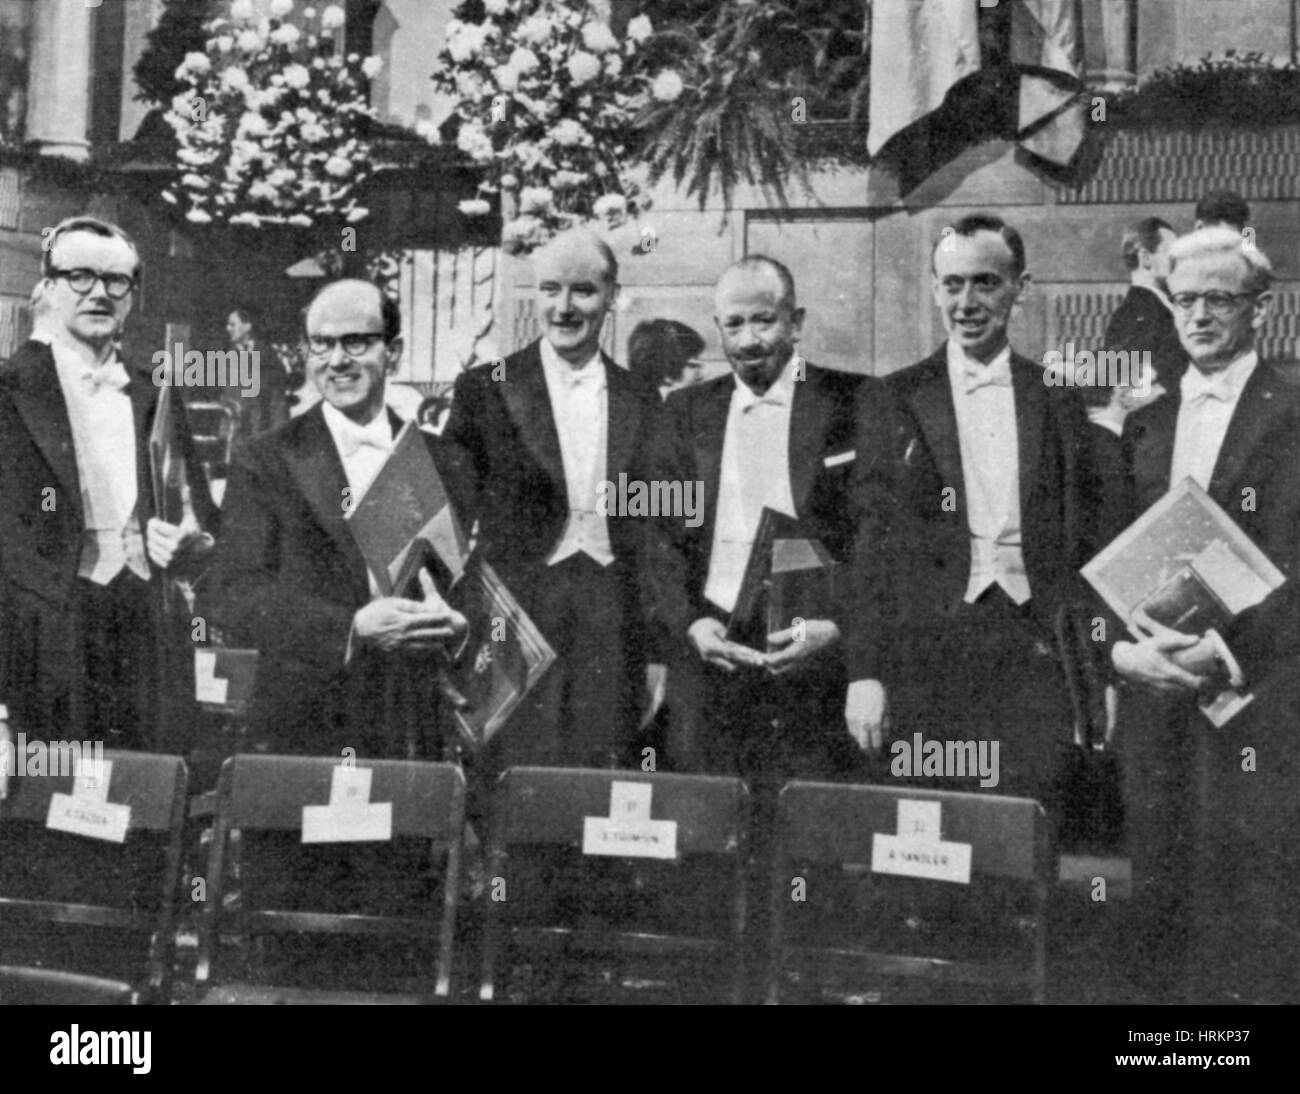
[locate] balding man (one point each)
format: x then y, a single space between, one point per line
777 433
549 434
289 579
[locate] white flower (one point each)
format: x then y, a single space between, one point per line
534 199
169 197
613 65
535 30
241 9
195 62
610 206
318 63
358 212
474 207
223 42
192 181
639 29
253 125
496 7
667 86
198 216
300 220
338 167
372 66
249 41
583 67
314 133
262 190
474 142
297 76
332 17
251 219
507 77
465 40
567 180
426 130
523 60
309 13
567 132
235 78
286 34
598 38
509 182
281 8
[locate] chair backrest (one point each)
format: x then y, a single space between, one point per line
65 888
402 885
835 914
549 893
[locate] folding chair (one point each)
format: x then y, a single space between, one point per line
85 919
342 921
564 925
843 931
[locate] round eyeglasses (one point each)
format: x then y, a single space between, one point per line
82 280
354 345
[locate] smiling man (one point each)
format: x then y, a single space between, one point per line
340 666
81 553
541 431
1213 826
989 529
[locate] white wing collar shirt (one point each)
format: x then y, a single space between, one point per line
1206 407
755 473
985 403
580 403
103 437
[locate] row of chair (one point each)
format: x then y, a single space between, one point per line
292 907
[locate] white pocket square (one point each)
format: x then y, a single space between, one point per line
839 458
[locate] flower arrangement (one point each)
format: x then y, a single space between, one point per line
270 121
546 97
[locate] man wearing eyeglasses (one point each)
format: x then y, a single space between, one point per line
289 579
81 552
1213 814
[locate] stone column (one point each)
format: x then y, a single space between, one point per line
58 103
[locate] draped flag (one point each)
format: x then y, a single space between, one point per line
919 49
1047 48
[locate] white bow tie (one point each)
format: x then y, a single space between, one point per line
577 377
1197 388
978 376
377 434
112 376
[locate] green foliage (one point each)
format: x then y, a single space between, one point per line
179 31
1238 90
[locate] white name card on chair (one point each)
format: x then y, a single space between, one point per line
628 831
917 850
350 817
87 810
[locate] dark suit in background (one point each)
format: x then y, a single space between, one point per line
287 580
80 661
988 670
584 710
1212 837
1142 323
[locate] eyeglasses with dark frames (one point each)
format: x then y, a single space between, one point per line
82 280
354 345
